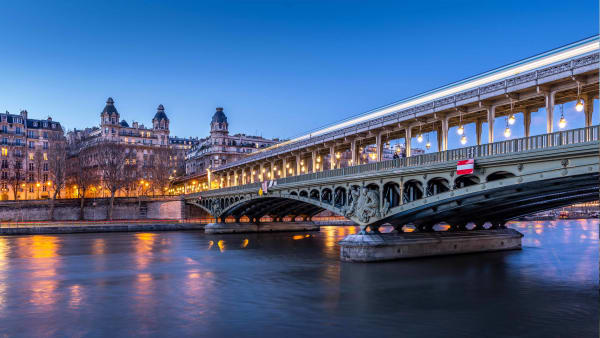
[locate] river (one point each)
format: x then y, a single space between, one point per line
293 284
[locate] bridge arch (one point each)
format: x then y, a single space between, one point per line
391 193
463 181
340 197
327 195
413 190
437 185
499 175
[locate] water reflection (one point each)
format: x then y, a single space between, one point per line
269 284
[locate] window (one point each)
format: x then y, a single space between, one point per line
18 142
45 156
30 177
45 177
45 166
31 144
45 134
4 129
18 130
18 165
30 134
4 152
30 166
31 156
45 145
4 164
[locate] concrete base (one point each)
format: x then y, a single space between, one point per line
230 228
382 247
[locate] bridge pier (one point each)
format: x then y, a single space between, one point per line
242 227
391 246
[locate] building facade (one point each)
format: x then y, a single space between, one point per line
25 148
145 146
221 148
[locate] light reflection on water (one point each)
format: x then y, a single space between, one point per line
293 284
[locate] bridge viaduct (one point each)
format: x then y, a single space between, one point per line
511 178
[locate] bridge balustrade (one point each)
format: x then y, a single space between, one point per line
560 138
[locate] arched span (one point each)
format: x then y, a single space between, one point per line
277 207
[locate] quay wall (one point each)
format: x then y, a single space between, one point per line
167 208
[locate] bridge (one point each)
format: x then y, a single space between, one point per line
511 178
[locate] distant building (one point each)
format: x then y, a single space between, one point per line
24 151
142 142
221 148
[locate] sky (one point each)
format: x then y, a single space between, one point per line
279 68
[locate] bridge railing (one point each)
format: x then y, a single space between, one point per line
560 138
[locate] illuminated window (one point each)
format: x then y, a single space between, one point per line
31 156
45 156
4 152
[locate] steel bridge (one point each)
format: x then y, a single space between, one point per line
511 178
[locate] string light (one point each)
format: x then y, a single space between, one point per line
507 129
463 140
461 129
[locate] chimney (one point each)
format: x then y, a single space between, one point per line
49 118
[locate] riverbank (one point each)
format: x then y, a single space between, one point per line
36 228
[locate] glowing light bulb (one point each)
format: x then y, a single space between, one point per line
511 119
460 130
578 105
420 138
463 140
562 122
507 132
428 145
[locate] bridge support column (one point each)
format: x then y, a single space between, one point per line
443 145
549 97
478 127
527 122
407 140
353 151
491 117
298 165
231 228
314 161
332 157
390 246
272 171
378 146
284 166
588 109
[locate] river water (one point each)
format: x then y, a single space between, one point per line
293 284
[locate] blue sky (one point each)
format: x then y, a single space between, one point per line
279 68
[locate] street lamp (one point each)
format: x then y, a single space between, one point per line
562 123
579 104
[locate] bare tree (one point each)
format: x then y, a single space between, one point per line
111 163
83 174
57 157
162 169
16 179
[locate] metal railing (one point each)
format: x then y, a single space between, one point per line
556 139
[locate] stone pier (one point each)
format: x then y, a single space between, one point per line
230 228
390 246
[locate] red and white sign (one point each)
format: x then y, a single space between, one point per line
465 167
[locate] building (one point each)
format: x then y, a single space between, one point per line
146 146
25 148
221 148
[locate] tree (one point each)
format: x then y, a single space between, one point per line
111 162
57 157
17 178
162 169
82 173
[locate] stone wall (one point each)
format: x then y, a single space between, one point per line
94 209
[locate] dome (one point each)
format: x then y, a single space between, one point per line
124 124
110 107
219 116
160 114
